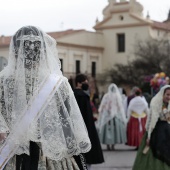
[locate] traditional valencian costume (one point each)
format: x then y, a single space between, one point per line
39 114
137 114
112 120
156 156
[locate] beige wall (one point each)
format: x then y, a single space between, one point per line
85 38
86 57
4 52
116 19
111 55
158 33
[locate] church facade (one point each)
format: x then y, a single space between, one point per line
112 41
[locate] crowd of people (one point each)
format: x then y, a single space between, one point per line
147 128
122 119
48 124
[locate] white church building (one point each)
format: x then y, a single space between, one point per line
112 41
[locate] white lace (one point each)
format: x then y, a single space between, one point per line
155 110
60 129
111 106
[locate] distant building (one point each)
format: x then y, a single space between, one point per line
112 41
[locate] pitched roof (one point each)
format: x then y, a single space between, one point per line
161 25
59 34
5 40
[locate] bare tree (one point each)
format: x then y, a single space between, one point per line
151 56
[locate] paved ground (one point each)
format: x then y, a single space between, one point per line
121 159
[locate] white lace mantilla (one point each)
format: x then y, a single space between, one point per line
60 128
156 110
111 106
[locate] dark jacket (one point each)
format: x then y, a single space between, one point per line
130 98
95 155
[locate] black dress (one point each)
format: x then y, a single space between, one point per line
160 141
95 155
28 162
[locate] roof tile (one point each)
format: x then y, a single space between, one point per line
5 40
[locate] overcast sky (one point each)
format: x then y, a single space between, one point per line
56 15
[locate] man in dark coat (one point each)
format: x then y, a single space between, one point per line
95 155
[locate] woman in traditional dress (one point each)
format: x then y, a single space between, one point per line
112 119
41 127
137 114
154 151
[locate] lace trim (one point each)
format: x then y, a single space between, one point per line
60 129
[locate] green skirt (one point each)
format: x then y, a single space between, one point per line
113 132
148 161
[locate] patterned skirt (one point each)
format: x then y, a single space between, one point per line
36 161
113 132
47 164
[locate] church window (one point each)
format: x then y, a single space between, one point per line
121 42
93 69
77 66
121 17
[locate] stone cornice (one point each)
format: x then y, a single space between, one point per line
79 46
122 26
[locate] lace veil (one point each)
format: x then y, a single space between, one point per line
155 110
60 129
111 106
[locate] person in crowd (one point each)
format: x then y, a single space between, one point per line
147 97
137 114
94 97
154 151
95 155
41 126
129 98
112 121
132 95
70 80
124 100
124 95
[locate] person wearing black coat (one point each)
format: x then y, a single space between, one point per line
95 155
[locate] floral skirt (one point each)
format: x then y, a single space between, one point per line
134 135
113 132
